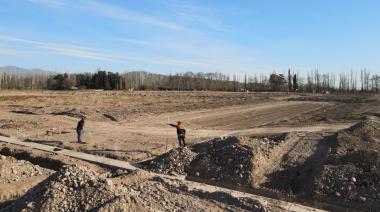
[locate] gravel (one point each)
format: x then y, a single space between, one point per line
172 162
13 170
76 188
352 170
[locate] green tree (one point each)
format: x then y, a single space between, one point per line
277 82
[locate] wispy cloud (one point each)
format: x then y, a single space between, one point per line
114 12
214 52
78 52
159 44
119 13
195 14
190 41
93 54
185 13
63 49
12 52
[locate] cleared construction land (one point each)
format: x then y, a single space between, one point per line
320 151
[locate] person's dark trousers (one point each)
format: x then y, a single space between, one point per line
79 133
181 140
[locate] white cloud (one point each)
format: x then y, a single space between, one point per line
93 54
119 13
113 12
77 52
63 49
159 44
193 13
214 53
12 52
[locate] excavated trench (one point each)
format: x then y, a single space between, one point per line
44 162
284 163
291 168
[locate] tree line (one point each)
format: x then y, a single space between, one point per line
313 82
10 81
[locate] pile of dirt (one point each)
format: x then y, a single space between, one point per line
263 144
175 195
352 170
13 170
224 160
72 188
172 162
76 188
228 160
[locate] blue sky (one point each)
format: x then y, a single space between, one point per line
168 36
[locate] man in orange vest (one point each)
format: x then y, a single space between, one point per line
181 132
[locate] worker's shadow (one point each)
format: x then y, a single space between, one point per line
46 142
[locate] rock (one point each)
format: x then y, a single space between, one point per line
30 205
363 199
353 179
109 182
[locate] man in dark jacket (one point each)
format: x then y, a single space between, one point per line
181 133
80 127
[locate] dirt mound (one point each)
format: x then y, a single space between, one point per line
229 160
75 188
224 160
352 170
172 195
13 170
173 162
72 188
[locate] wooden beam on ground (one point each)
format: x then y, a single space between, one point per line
71 153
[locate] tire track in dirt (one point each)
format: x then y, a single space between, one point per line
250 117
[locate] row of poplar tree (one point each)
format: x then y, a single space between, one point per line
314 81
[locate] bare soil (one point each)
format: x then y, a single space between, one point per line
140 130
316 149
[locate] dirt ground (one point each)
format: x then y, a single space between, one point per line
133 125
276 143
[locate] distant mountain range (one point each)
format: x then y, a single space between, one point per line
21 71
